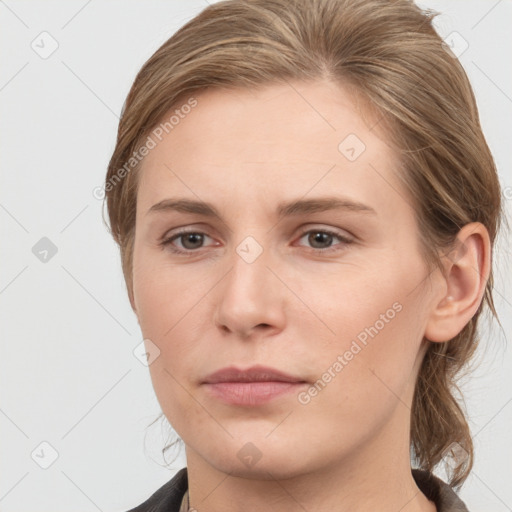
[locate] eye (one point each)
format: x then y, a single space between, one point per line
321 240
190 240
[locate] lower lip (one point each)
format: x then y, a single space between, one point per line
251 393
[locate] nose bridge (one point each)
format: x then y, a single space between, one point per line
249 272
249 296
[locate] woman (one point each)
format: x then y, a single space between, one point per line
306 209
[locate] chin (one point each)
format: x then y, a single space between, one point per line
259 460
274 468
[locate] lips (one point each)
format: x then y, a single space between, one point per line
256 373
252 387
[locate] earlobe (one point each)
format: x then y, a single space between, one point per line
467 269
132 301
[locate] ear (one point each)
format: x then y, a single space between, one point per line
467 269
132 299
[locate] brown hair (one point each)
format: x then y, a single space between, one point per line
389 52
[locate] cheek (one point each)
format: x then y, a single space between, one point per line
167 319
170 306
377 331
163 292
365 376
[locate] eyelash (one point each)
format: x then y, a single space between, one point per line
167 242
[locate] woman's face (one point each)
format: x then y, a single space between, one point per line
336 296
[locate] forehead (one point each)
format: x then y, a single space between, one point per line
281 139
276 117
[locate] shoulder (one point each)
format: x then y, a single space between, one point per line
444 497
168 497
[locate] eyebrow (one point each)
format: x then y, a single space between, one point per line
297 207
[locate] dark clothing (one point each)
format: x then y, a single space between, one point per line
443 496
169 497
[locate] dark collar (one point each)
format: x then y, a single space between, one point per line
444 497
168 497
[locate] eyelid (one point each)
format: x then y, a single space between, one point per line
343 233
186 228
303 229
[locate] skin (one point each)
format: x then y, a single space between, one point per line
294 309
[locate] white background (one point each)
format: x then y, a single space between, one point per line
68 373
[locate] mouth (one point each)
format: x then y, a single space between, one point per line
254 386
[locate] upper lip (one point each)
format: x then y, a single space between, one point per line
256 373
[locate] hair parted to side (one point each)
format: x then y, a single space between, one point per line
389 52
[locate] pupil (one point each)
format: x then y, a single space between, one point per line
190 236
319 237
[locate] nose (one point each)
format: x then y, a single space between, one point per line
251 298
